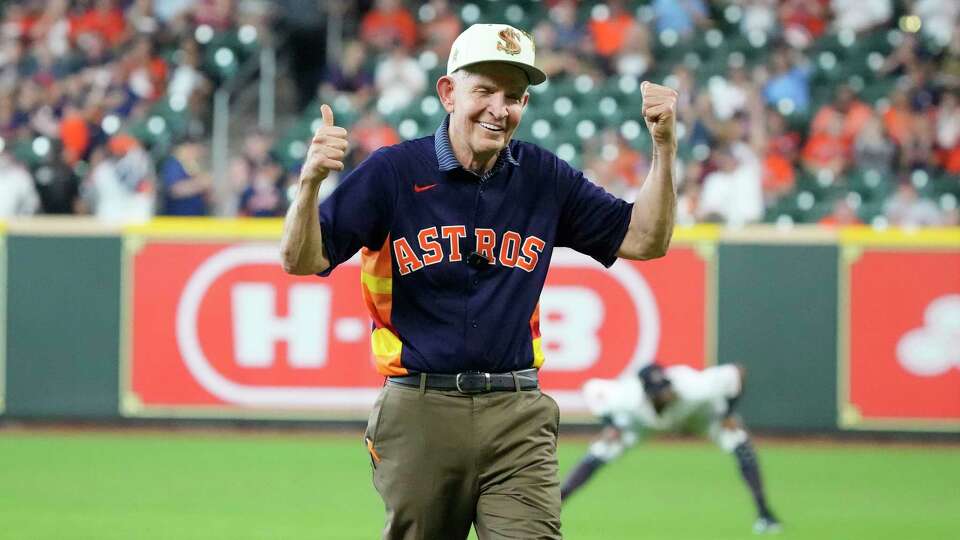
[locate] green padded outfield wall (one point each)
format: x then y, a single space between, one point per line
776 312
777 315
63 311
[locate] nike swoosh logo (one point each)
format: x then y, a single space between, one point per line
418 189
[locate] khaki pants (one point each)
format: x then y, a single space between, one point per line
443 460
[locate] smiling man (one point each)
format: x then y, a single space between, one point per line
491 99
456 231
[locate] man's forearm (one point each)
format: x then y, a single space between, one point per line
301 246
654 210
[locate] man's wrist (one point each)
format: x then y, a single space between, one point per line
310 183
665 151
308 189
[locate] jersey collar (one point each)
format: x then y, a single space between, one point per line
448 161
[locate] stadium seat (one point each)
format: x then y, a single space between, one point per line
868 211
820 210
870 184
522 15
946 183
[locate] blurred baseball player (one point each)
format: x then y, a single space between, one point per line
456 231
676 398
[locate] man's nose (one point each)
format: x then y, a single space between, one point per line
498 106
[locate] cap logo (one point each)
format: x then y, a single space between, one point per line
510 43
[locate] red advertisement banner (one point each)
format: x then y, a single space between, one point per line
904 340
218 328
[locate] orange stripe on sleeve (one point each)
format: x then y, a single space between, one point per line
376 283
535 322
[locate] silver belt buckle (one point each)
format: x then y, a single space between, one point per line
487 385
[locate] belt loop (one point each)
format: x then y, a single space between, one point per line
423 383
516 380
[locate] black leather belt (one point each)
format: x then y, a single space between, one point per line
473 382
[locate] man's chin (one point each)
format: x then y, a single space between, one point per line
488 144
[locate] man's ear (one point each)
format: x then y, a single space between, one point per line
445 87
526 99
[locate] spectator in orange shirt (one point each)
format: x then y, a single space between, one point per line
948 132
775 145
825 151
778 175
898 119
780 138
368 134
610 34
18 19
105 19
145 73
852 112
440 31
950 160
74 133
386 22
803 21
617 166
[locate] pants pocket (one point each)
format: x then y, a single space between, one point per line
373 427
555 412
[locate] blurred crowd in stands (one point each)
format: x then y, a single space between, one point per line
91 93
792 111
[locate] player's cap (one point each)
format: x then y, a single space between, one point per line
495 43
654 379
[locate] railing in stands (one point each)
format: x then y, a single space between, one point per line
264 66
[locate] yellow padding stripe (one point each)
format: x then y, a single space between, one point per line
385 344
693 233
208 228
926 237
376 285
538 357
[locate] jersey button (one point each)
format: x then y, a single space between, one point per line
475 324
476 282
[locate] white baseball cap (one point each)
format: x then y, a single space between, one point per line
495 43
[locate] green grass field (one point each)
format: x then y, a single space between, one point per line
104 486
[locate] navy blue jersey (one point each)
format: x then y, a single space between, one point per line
417 216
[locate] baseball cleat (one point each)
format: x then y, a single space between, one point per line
767 525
